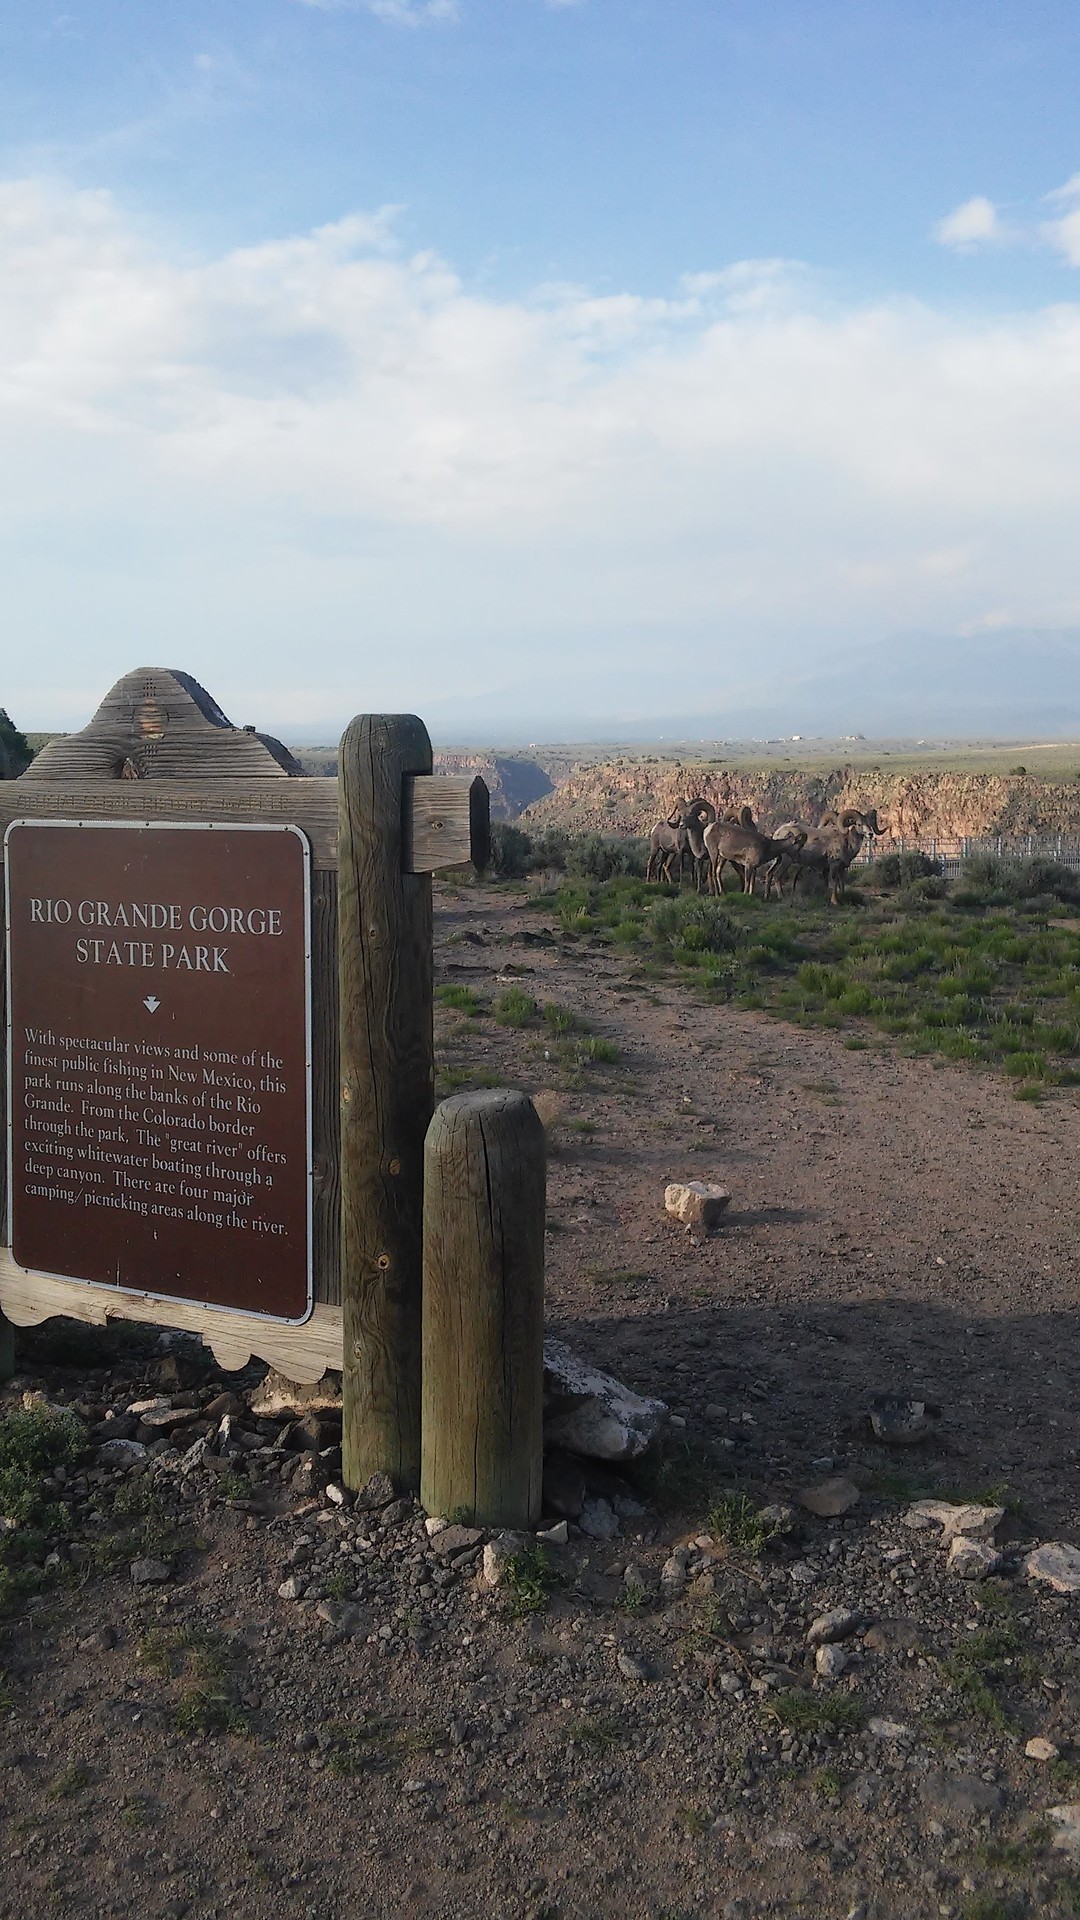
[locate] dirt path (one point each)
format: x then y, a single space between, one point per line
895 1223
314 1717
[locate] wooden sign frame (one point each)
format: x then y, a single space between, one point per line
160 749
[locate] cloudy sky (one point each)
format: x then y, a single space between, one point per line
492 358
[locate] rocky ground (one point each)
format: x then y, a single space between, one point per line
762 1682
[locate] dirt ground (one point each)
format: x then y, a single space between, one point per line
897 1224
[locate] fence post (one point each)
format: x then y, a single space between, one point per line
387 1079
483 1367
7 1349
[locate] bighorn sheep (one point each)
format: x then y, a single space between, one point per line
699 815
668 844
830 848
744 847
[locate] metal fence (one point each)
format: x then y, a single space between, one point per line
1062 848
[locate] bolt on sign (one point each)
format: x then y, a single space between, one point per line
159 1046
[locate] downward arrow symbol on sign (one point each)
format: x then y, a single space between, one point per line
151 1004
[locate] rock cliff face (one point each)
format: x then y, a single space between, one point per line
625 796
513 784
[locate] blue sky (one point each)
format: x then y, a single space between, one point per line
478 355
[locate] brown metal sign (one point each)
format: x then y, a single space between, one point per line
159 1054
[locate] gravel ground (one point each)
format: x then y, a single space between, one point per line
239 1695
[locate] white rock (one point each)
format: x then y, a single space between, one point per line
434 1524
556 1536
1040 1749
830 1661
975 1522
278 1395
159 1404
696 1203
599 1520
1057 1564
971 1559
1067 1821
498 1553
590 1413
337 1494
293 1588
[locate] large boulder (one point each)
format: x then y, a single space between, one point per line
590 1413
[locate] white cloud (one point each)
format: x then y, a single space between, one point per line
399 13
251 462
976 223
1064 234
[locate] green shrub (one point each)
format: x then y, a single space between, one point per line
694 924
515 1008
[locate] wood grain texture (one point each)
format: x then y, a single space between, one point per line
302 1353
387 1078
483 1321
441 837
157 723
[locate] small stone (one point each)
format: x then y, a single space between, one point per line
673 1574
221 1404
900 1423
829 1498
638 1576
697 1203
599 1520
195 1457
838 1624
498 1554
1041 1749
434 1524
972 1559
337 1495
962 1796
150 1573
293 1588
893 1636
780 1519
453 1540
975 1522
120 1453
888 1729
1067 1821
732 1683
830 1661
159 1404
377 1492
1057 1564
800 1574
785 1840
556 1536
630 1667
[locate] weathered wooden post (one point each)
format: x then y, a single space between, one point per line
485 1176
387 1093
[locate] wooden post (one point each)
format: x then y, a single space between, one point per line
485 1167
387 1082
7 1349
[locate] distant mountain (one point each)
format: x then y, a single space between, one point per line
1012 684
